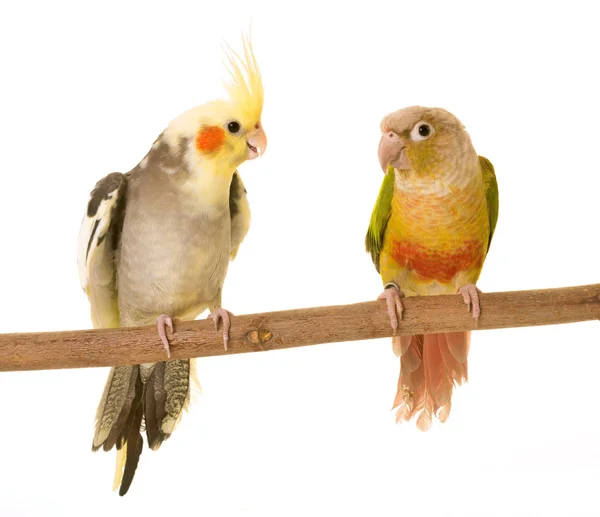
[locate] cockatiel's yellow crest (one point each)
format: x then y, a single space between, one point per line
246 91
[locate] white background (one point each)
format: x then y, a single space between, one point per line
84 92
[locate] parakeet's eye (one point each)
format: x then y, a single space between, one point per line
233 127
421 131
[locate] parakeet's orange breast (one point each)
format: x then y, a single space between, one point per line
441 265
434 237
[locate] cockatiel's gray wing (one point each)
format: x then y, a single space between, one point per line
119 415
98 241
239 211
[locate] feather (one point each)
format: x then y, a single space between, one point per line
134 440
452 365
424 420
440 385
99 235
458 344
246 90
428 373
444 412
491 194
400 344
379 219
177 388
121 457
411 358
160 395
410 397
107 196
239 211
152 430
114 405
456 370
120 428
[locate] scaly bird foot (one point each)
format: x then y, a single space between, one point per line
222 314
470 295
160 322
392 296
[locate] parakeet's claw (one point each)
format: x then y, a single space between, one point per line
160 322
222 314
470 295
392 296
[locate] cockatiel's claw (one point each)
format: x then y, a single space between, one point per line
392 296
160 322
222 314
470 295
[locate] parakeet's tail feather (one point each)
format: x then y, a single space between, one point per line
430 366
400 344
131 401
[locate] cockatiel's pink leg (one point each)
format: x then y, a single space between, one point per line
470 295
392 296
160 323
222 314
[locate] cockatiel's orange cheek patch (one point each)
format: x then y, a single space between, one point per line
210 139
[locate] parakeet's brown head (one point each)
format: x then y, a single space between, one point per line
221 135
427 141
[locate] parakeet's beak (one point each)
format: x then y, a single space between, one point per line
256 142
392 151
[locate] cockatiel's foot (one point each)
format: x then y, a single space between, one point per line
392 296
222 314
161 321
470 295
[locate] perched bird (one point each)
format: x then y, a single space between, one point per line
429 234
155 244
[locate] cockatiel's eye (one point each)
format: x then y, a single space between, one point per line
234 127
421 131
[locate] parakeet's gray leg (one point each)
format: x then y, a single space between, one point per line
470 295
222 314
160 322
392 296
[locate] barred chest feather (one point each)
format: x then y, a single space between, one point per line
437 233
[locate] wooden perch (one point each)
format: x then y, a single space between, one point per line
301 327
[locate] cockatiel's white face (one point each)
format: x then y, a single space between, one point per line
222 134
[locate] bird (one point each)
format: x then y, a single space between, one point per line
154 246
429 234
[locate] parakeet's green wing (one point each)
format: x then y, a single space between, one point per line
380 217
491 193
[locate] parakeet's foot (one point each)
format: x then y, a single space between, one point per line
392 296
222 314
160 322
470 295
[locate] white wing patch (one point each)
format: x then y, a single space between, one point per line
92 233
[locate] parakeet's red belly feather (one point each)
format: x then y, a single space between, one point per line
438 265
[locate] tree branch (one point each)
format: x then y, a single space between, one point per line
301 327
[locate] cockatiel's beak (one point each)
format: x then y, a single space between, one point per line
257 142
392 151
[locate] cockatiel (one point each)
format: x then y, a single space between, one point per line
429 234
155 245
